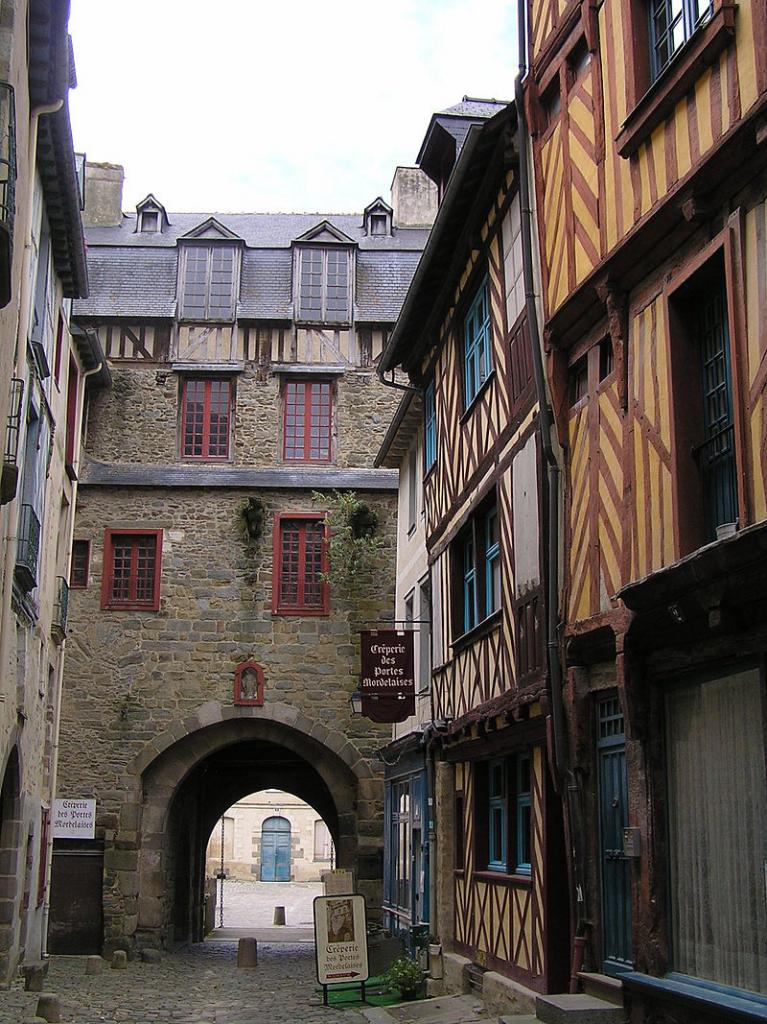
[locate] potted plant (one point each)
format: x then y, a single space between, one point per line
406 976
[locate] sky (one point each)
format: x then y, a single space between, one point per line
286 105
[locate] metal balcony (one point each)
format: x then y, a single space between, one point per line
10 471
60 608
28 549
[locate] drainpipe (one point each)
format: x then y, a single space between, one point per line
11 537
565 778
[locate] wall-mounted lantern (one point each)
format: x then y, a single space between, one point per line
249 684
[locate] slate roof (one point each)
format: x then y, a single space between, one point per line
382 284
257 230
125 282
134 274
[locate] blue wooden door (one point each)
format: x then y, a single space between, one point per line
613 818
275 850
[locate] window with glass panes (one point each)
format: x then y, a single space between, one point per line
300 564
207 291
497 810
132 570
477 358
80 565
205 419
323 289
477 569
308 421
430 426
523 812
672 23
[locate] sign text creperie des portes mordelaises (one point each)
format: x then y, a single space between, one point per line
387 682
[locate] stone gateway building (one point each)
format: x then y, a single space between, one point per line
210 655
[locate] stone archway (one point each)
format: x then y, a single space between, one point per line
10 842
177 788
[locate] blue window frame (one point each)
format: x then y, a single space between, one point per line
430 426
492 563
477 570
497 840
672 23
470 614
523 814
477 362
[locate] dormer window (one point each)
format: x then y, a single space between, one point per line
377 218
207 282
150 216
323 291
208 272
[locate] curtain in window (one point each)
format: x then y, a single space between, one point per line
718 830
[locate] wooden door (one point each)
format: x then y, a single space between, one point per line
76 919
275 850
613 818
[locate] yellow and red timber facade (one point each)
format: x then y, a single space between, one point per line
649 121
500 892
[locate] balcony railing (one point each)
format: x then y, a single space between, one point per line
60 608
28 549
10 471
7 187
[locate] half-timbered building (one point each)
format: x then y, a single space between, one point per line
463 339
650 137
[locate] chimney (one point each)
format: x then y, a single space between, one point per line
103 195
413 198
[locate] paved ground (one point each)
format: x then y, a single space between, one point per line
199 985
251 904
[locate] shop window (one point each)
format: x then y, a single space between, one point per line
205 419
300 565
717 829
132 561
307 421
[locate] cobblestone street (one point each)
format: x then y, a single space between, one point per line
199 985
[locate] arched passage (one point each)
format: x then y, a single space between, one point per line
188 786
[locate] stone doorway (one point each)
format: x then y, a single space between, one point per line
154 865
10 835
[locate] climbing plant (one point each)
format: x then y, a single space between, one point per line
354 539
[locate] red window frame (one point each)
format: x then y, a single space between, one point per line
80 564
201 400
138 591
307 422
293 591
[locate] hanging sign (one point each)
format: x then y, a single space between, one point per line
387 682
340 936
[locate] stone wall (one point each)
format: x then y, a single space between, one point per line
138 421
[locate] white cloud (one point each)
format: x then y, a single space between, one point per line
292 105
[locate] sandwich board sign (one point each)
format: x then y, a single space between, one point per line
341 942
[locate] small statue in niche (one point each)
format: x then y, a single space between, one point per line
249 684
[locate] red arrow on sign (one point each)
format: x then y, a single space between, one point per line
345 974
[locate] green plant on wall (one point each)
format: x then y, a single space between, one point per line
251 514
354 540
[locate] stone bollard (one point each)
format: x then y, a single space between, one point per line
49 1008
151 956
34 977
119 960
93 965
279 915
247 953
